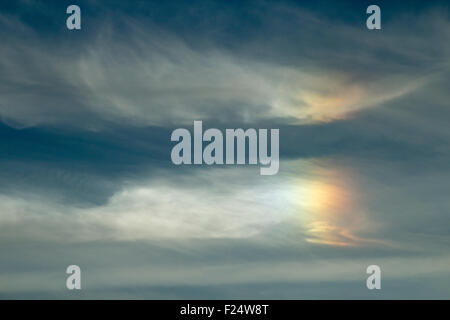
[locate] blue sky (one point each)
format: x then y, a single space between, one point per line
86 179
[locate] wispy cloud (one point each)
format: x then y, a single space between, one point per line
152 77
85 152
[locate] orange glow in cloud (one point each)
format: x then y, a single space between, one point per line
336 105
329 209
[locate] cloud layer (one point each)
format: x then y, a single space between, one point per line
85 150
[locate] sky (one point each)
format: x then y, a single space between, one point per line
86 176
